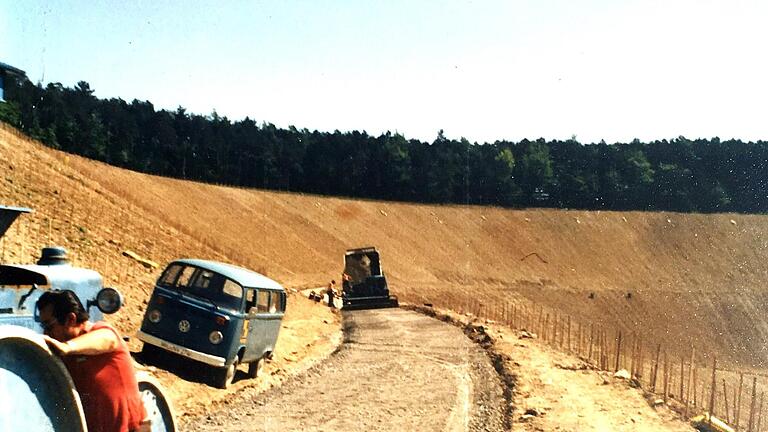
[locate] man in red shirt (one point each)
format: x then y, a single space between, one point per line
98 361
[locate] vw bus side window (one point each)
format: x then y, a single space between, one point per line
262 301
276 302
250 301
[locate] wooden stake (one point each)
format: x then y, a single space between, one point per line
714 390
655 369
725 396
24 241
72 223
641 360
690 381
554 329
513 318
580 349
666 378
682 377
540 322
591 341
760 412
601 346
737 401
569 333
695 384
618 352
752 405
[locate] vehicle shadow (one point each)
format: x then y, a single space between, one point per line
182 367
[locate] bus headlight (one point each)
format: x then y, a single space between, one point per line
215 337
154 316
109 300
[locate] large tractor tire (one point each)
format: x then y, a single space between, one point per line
36 391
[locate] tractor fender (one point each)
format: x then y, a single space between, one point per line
159 408
36 391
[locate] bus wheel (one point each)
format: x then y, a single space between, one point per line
226 376
253 368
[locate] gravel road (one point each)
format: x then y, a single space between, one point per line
397 370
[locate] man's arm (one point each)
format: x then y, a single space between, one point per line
95 342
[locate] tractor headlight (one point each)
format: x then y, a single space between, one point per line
154 316
215 337
109 300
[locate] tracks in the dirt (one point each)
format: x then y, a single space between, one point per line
397 370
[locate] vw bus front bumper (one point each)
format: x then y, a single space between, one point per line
180 350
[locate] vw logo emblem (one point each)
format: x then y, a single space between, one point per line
184 326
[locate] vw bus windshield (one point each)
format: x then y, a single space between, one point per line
205 284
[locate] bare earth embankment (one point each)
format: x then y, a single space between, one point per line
693 278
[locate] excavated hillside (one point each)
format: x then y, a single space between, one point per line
678 278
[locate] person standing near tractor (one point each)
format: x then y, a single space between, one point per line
98 361
331 292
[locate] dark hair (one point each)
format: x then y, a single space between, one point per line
63 302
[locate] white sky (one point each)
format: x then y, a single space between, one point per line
484 70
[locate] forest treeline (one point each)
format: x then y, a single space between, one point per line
701 175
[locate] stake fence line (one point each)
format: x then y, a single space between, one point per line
674 375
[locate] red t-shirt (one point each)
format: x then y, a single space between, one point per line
107 387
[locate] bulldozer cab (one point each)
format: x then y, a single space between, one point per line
360 265
363 283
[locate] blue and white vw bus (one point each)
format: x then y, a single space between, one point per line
214 313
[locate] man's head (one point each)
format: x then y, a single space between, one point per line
61 314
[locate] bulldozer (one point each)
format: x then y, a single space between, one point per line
363 283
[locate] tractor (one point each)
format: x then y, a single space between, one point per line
36 391
363 283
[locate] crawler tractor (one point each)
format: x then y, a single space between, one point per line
363 283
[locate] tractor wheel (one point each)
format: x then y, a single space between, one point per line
159 410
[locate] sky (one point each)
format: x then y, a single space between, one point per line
486 70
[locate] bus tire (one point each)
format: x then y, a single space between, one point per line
226 376
254 368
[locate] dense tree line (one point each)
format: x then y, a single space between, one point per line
704 175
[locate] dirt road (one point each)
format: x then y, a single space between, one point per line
397 370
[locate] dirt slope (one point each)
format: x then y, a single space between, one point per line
696 278
700 277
